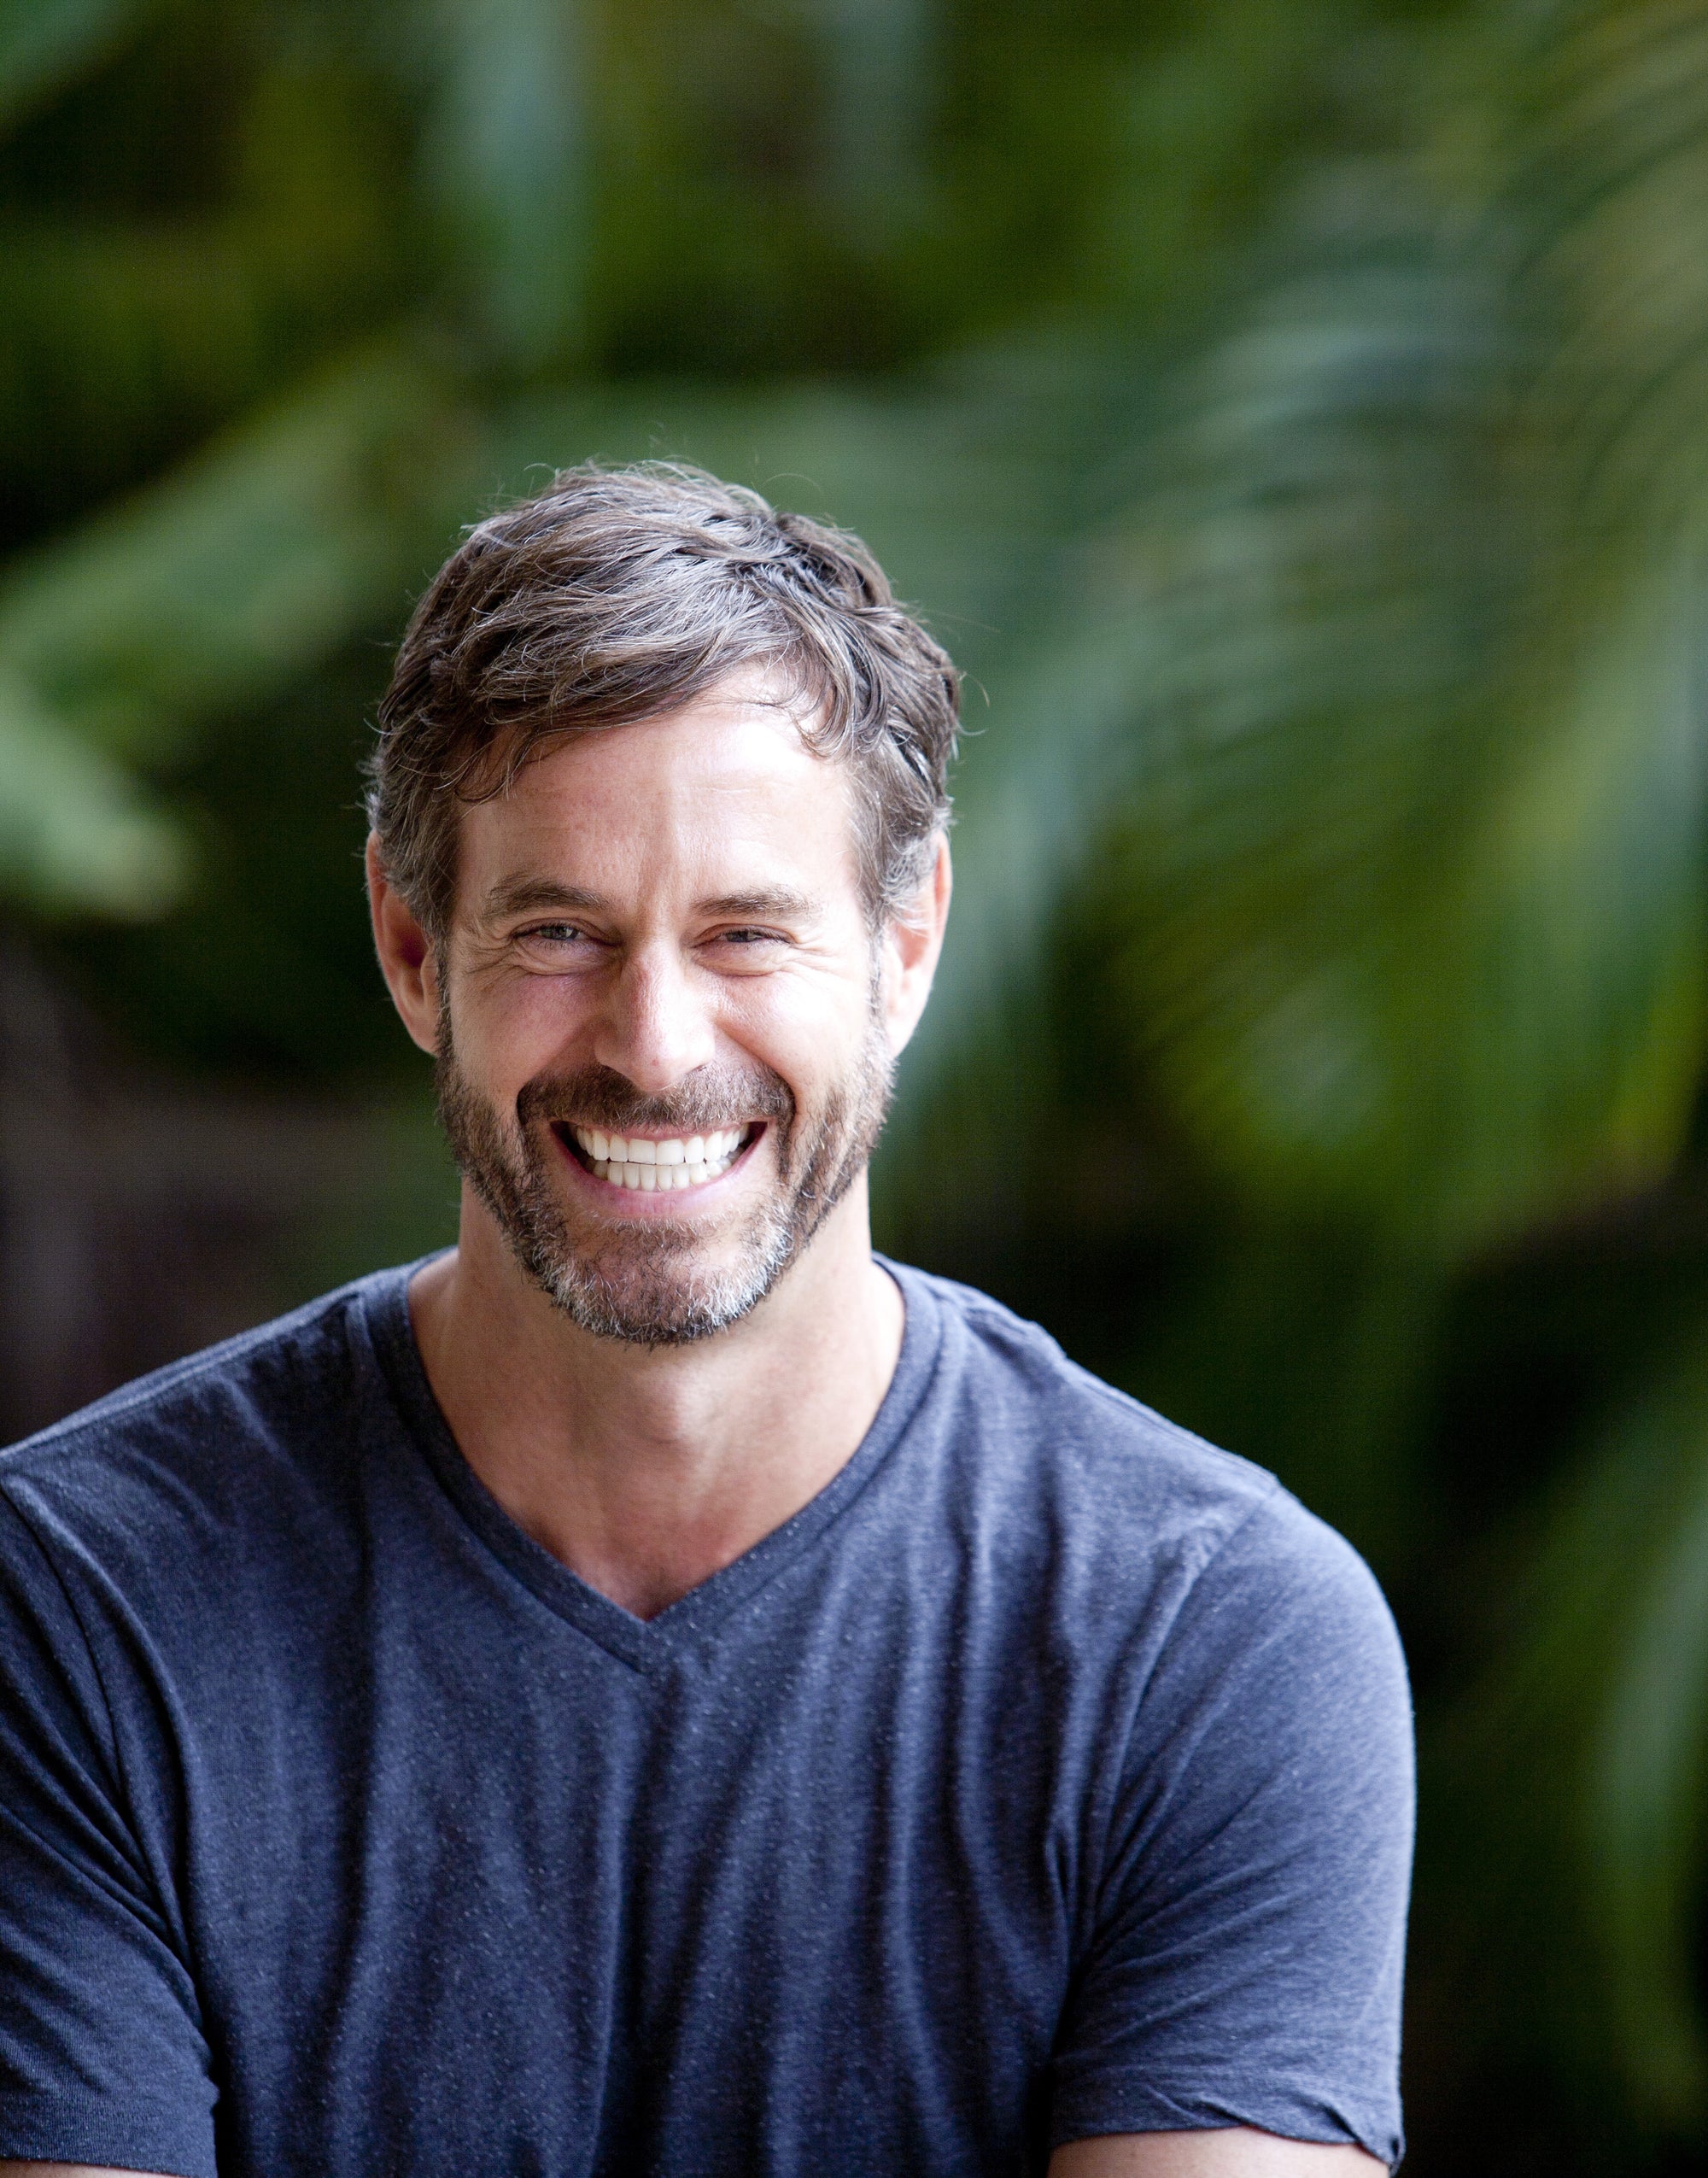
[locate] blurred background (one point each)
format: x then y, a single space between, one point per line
1294 417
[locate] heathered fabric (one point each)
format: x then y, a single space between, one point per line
1048 1775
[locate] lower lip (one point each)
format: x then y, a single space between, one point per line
644 1203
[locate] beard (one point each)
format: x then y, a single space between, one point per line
652 1284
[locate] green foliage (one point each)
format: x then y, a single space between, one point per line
42 42
1649 1791
75 831
502 157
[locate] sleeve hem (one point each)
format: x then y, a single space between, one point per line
131 2132
1091 2109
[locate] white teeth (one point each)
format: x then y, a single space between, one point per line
661 1168
659 1178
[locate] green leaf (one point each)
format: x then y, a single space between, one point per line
1594 1728
1580 983
1039 785
1648 1799
504 160
217 585
76 835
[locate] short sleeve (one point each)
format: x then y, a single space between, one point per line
1245 1963
103 2059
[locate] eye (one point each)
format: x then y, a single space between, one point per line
555 937
749 939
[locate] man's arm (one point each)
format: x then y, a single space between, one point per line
68 2170
1231 2152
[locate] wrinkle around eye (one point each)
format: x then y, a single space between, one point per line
560 935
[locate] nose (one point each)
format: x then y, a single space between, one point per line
655 1028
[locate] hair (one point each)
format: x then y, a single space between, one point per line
616 594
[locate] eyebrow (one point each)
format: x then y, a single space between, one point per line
528 895
781 901
524 895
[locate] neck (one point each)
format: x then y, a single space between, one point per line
646 1471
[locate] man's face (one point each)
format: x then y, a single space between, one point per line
663 1053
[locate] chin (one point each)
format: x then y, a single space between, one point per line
639 1308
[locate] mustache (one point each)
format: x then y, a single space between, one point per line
710 1097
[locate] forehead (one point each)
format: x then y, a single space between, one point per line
720 796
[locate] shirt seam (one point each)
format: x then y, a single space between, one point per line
149 1390
115 1749
70 1602
366 1344
1162 1650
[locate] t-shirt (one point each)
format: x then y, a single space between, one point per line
1048 1775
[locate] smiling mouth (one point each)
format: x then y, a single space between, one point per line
655 1165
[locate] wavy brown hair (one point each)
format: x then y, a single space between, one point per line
619 594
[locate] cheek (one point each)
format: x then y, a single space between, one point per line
510 1029
807 1027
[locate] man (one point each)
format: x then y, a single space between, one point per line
655 1690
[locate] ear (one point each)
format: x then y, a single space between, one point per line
406 953
911 944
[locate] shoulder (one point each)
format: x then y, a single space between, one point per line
1036 1423
1128 1520
224 1440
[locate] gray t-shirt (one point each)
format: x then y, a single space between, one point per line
1048 1775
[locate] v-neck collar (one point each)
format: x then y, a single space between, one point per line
646 1644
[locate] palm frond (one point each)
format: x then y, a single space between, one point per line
1404 682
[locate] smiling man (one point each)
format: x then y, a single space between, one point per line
657 1689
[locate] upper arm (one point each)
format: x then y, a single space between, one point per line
1241 1975
1230 2151
103 2065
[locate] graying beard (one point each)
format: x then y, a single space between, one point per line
663 1312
